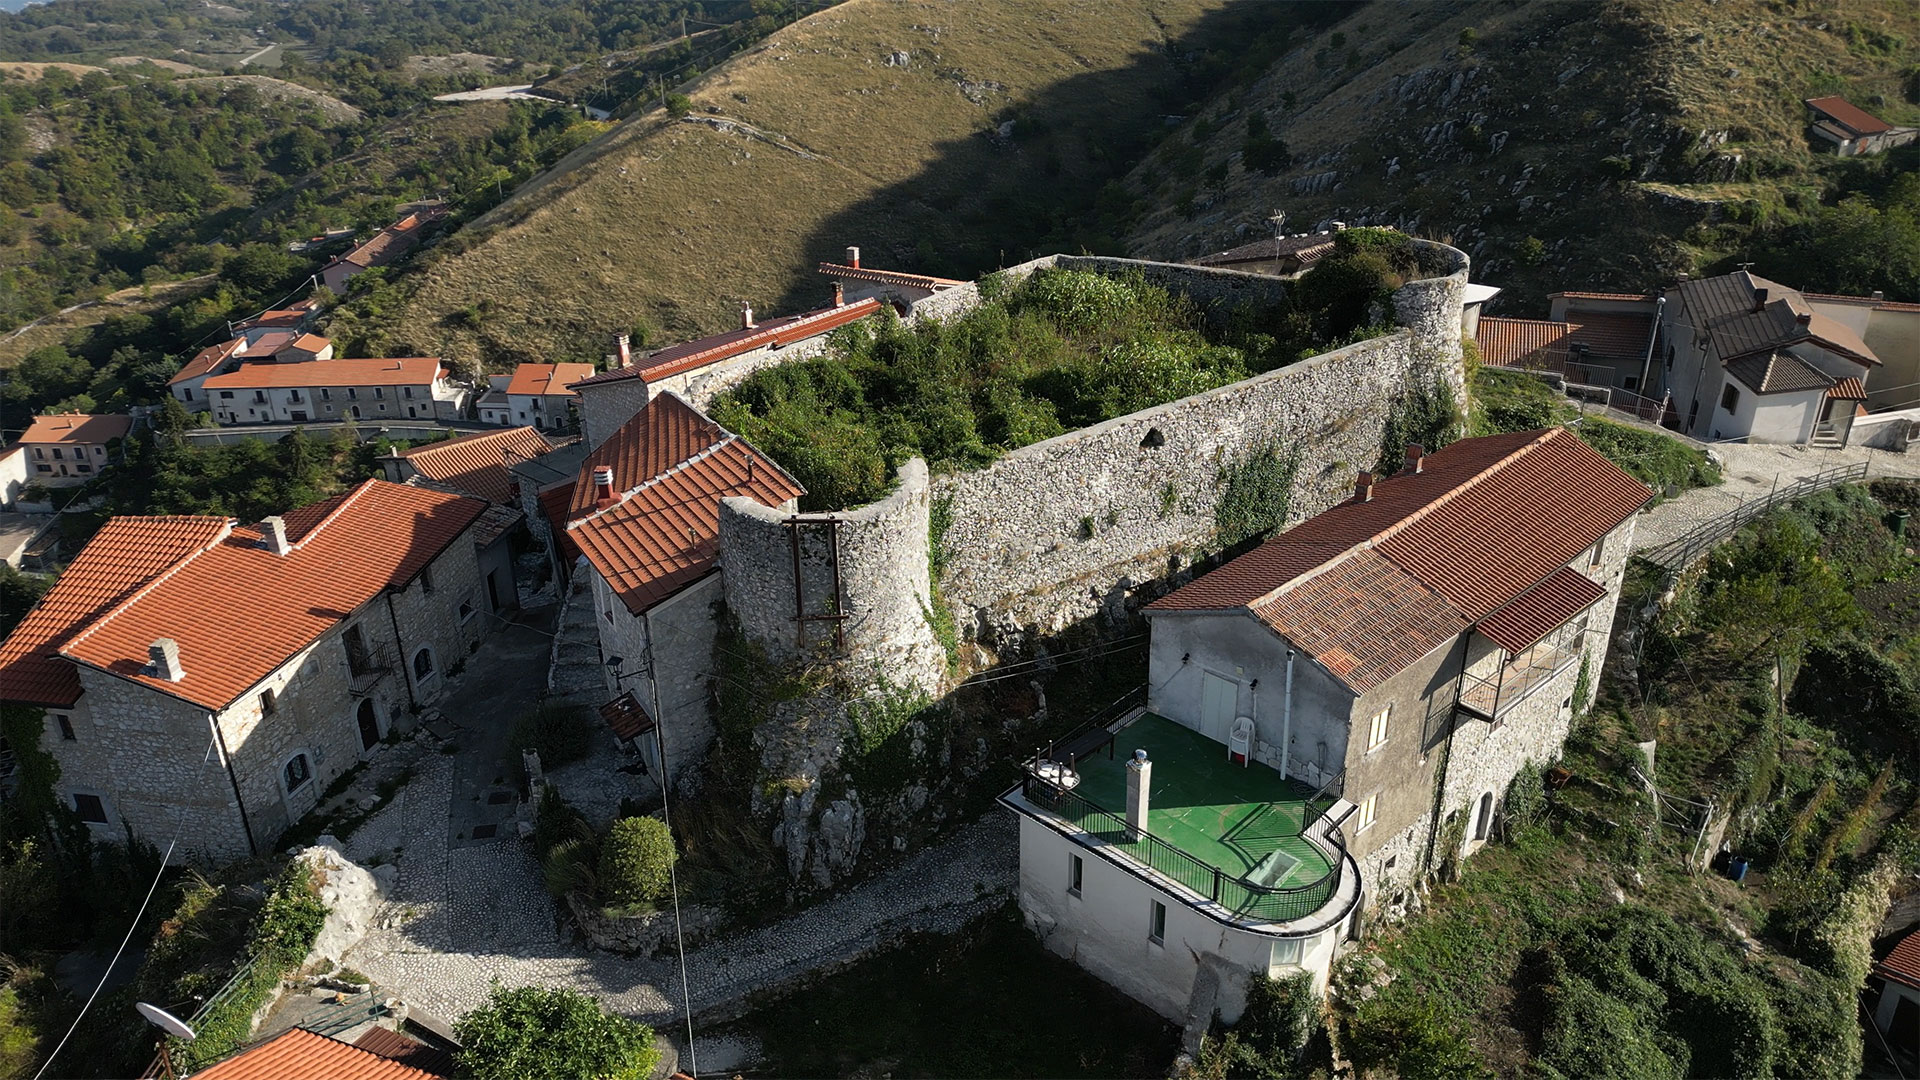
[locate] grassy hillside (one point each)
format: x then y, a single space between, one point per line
1563 146
939 136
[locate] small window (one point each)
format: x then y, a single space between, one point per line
378 392
1368 811
1631 382
422 663
1377 729
66 726
1730 398
352 393
297 773
260 396
84 467
99 451
1157 924
90 809
1286 951
326 394
1074 869
466 611
226 395
426 579
40 453
268 704
1599 552
56 453
44 468
408 391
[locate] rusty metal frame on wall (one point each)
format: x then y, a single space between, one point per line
837 616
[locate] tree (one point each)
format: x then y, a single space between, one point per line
531 1031
1774 595
18 593
259 269
636 861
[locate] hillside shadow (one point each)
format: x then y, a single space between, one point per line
1041 175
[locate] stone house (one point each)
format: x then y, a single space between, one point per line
481 466
853 283
1273 256
188 383
1327 718
398 388
539 395
205 681
70 448
387 245
645 514
1751 360
1853 131
1897 1012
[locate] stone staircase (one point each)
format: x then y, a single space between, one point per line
576 673
1825 437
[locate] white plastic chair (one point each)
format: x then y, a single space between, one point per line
1241 740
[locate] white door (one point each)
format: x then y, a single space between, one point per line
1219 699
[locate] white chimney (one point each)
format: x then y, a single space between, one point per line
853 257
165 657
275 535
746 316
622 351
1139 776
602 483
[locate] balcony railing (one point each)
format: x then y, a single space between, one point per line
1489 697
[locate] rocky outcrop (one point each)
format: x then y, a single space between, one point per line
352 894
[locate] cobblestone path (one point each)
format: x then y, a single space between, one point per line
1751 472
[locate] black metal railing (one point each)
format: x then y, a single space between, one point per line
1242 897
1677 555
1092 736
1490 696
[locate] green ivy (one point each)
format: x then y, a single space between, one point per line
1424 413
1255 495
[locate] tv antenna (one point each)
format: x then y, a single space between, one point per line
168 1024
1279 219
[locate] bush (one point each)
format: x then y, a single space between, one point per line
1413 1043
636 861
561 733
282 932
531 1031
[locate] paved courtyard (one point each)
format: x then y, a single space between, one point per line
1752 471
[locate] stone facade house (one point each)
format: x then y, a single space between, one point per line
205 681
70 448
188 383
387 245
481 466
399 388
538 394
645 514
1327 718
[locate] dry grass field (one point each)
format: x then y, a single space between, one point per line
873 123
57 328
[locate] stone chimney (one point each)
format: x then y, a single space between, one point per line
164 655
274 535
1803 318
853 257
1363 487
1415 453
602 485
746 317
839 295
1139 779
622 351
1759 299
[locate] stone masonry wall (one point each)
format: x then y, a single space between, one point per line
701 385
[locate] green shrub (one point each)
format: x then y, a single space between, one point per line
1255 495
281 934
636 861
1414 1043
561 733
531 1031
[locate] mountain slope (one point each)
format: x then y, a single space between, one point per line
939 136
1562 145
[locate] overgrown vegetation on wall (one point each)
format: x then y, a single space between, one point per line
1254 495
1061 350
1516 401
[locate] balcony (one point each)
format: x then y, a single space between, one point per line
1489 696
367 665
1255 846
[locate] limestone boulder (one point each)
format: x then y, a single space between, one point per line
352 894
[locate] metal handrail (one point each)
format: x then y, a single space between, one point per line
1678 554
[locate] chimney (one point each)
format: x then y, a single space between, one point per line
1759 299
165 657
746 317
839 295
853 257
1139 777
602 485
1414 453
622 351
1363 487
275 538
1803 318
1878 296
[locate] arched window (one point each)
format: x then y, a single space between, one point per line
1483 821
297 773
423 663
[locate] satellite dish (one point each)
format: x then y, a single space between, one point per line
164 1020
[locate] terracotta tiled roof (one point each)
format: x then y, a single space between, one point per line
1571 295
288 317
1777 373
268 344
1856 120
1902 965
1848 389
396 371
663 533
311 342
1537 612
1862 301
626 717
784 330
1529 343
299 1054
1304 248
238 611
389 244
1618 336
77 428
207 359
478 463
661 435
125 554
1483 522
888 277
548 378
1725 307
407 1051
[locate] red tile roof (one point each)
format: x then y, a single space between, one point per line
77 428
776 332
278 317
268 344
666 432
1856 120
389 244
407 1051
207 359
125 554
548 378
1902 965
478 463
1527 343
299 1054
311 342
1571 295
1303 248
1537 612
664 532
1615 336
396 371
1848 389
1725 307
626 717
1484 521
888 277
238 611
